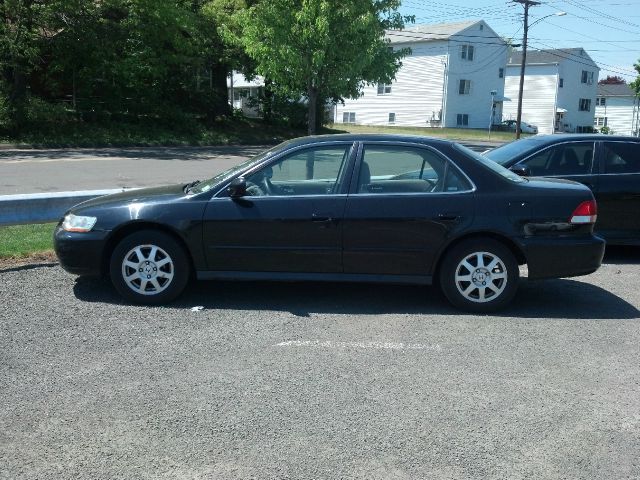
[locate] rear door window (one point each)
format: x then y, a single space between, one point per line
398 169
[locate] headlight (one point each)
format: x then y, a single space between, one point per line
75 223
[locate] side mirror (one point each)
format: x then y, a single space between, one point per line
521 170
237 188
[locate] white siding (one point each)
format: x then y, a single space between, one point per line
543 95
621 114
573 90
416 94
483 72
539 97
428 82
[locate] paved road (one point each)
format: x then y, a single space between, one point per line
36 171
318 381
62 170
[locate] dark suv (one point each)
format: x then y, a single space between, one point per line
608 165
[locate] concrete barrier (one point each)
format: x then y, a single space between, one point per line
43 207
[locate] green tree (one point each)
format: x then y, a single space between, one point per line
635 85
22 33
321 49
137 58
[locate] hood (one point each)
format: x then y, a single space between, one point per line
139 195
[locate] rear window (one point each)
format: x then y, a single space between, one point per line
511 150
490 164
621 157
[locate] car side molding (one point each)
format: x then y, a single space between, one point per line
316 277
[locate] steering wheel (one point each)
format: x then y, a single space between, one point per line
255 189
265 185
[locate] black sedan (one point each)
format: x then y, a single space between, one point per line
340 208
608 165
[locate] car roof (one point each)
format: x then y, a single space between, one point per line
367 137
565 137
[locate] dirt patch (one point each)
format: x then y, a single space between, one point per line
42 258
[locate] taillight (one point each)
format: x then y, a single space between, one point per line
586 212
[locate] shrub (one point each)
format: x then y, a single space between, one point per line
41 112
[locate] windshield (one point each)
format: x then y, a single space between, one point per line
511 150
221 177
499 169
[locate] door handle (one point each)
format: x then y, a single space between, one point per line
448 217
321 218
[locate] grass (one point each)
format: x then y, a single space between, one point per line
235 131
464 134
24 240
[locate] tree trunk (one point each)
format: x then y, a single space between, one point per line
320 106
16 98
267 102
312 103
220 103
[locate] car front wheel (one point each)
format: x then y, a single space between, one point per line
149 267
479 275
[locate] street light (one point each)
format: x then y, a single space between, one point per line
557 14
527 4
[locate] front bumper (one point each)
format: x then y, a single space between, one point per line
80 253
556 257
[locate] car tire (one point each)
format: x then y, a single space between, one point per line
149 267
479 275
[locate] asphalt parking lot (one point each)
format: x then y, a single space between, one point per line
320 381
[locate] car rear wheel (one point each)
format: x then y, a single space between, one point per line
149 267
479 275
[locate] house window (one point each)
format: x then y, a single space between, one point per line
600 122
501 73
462 120
465 87
348 117
240 93
585 105
384 89
561 83
601 101
466 52
392 118
587 77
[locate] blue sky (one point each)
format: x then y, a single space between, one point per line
609 30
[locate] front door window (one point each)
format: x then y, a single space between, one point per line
562 160
313 171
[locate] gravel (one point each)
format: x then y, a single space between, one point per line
319 381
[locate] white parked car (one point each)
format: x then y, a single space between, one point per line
524 126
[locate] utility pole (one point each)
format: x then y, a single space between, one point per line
526 4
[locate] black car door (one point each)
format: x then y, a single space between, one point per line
619 192
290 221
403 203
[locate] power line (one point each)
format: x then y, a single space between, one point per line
597 12
580 33
554 53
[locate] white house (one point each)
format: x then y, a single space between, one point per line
618 107
454 77
241 91
560 89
